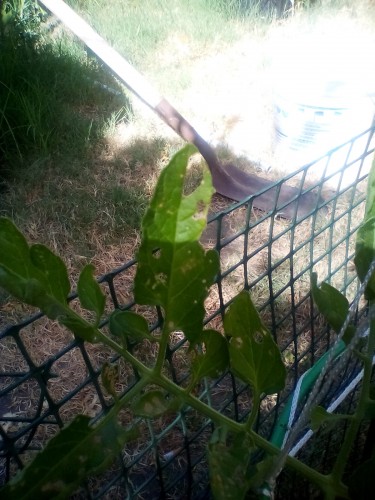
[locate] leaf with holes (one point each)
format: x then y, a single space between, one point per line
174 271
215 358
78 450
254 355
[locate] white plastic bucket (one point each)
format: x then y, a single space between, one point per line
307 127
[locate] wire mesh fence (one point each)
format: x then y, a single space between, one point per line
43 385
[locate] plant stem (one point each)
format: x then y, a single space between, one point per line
162 348
254 412
107 341
154 375
221 420
354 425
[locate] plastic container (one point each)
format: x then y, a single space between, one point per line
307 126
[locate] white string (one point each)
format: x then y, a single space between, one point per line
294 431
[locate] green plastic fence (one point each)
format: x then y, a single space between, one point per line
40 390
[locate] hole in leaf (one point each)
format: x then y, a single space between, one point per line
200 211
161 278
193 176
157 254
258 337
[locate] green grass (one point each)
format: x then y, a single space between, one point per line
66 174
161 38
48 103
147 25
55 121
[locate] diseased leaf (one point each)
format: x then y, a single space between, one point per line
173 270
320 415
79 450
110 376
89 292
365 254
215 358
129 325
151 404
173 217
228 464
254 355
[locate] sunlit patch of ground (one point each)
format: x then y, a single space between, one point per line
232 93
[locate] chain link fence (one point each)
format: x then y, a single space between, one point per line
47 377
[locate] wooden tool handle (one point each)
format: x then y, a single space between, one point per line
136 82
117 64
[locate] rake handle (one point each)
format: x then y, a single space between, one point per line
134 80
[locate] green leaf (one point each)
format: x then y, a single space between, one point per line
370 409
173 269
332 304
215 359
365 254
320 416
33 275
361 483
228 466
14 250
151 404
254 355
89 292
79 450
370 198
173 217
129 325
54 271
80 327
28 290
365 243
